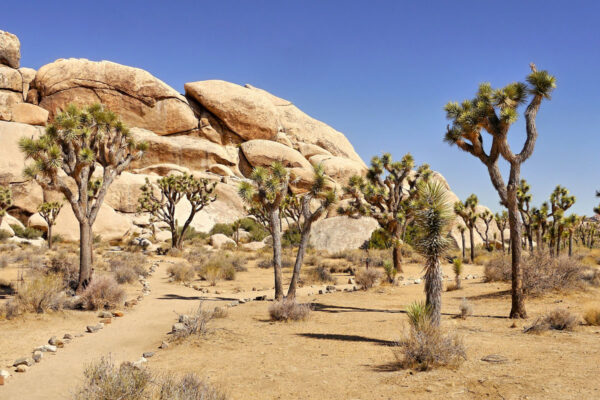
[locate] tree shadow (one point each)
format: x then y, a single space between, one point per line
492 295
329 308
172 296
347 338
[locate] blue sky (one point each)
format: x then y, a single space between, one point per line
379 71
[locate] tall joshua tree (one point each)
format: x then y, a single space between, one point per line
433 218
319 191
265 194
172 189
487 217
49 211
494 111
560 201
502 223
572 222
80 142
523 200
468 212
387 195
5 201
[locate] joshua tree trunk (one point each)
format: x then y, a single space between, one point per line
570 244
518 303
458 281
433 290
49 236
502 240
472 244
291 294
397 250
462 238
85 255
276 235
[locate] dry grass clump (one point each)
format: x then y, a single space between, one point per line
286 262
592 316
195 323
104 380
427 346
41 294
181 272
66 265
288 310
541 273
128 267
465 308
103 292
222 265
319 274
367 278
559 319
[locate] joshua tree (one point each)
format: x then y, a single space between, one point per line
325 197
49 211
487 218
5 201
387 194
560 201
173 188
494 111
265 195
77 144
433 218
571 224
523 200
468 212
462 229
539 217
502 223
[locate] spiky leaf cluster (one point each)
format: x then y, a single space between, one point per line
467 210
433 219
49 211
5 199
560 201
501 219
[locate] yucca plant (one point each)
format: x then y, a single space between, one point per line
433 220
419 315
320 192
79 143
457 267
494 111
264 195
390 271
387 194
467 211
49 211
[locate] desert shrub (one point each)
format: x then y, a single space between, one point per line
191 233
427 346
26 232
592 316
5 260
367 278
64 264
128 267
380 239
103 292
103 381
541 273
189 387
286 262
181 272
9 310
465 308
4 234
288 310
40 294
124 275
220 312
222 265
256 230
559 319
225 229
312 259
195 323
31 259
390 271
320 274
291 237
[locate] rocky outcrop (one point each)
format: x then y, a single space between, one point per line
10 50
341 233
29 114
12 160
260 153
138 97
109 224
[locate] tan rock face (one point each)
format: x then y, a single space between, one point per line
28 75
27 195
341 233
265 152
38 222
29 114
8 99
141 99
109 224
10 50
248 113
12 161
338 168
10 79
190 152
124 192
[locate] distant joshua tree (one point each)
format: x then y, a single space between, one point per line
462 229
265 195
468 212
494 111
539 217
79 143
49 211
487 217
523 201
433 219
502 223
560 201
387 194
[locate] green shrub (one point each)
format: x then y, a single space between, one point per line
390 271
225 229
291 237
256 230
191 233
26 233
380 239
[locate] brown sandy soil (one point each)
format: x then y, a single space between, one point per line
343 351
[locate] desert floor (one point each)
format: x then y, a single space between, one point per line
343 351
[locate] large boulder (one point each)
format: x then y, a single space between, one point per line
10 79
139 98
10 50
109 224
265 152
12 160
191 152
29 114
244 111
28 75
8 99
338 168
341 233
219 240
124 192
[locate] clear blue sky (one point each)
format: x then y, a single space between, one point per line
379 71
